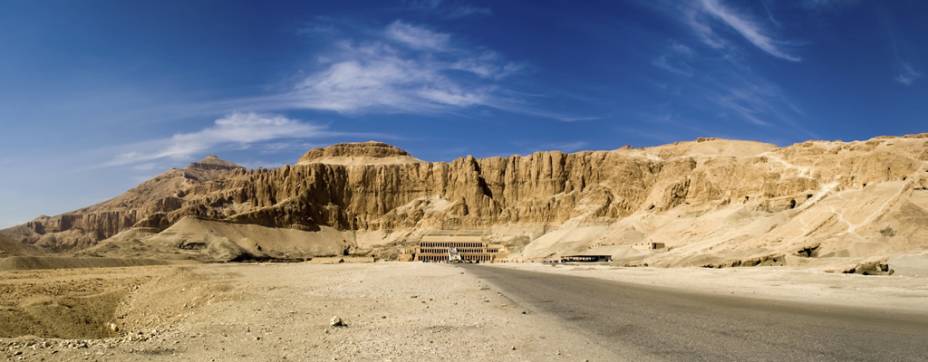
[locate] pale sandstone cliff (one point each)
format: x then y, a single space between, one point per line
711 201
361 153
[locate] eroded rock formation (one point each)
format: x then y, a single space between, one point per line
372 186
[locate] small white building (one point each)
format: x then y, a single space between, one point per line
648 245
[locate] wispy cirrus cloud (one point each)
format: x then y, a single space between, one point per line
417 37
379 77
567 146
237 130
708 15
407 68
487 64
757 102
734 95
675 59
722 85
907 74
401 68
739 93
770 17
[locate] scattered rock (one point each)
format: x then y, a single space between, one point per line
336 321
870 268
809 251
888 232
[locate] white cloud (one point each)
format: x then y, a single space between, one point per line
675 59
756 100
285 146
378 79
907 74
729 90
749 29
487 65
679 68
721 85
770 14
237 129
568 146
681 49
148 166
750 109
417 37
409 70
453 97
703 30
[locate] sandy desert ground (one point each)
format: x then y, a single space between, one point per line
392 311
272 312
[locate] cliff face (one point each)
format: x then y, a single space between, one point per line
376 187
85 227
363 153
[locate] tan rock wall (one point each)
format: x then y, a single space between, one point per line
546 188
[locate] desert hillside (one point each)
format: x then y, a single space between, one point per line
710 202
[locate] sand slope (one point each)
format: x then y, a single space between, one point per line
62 262
9 247
212 241
833 229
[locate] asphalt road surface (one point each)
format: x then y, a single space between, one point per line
652 323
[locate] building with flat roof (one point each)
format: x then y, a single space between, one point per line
649 245
447 246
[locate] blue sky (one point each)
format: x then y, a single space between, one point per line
96 96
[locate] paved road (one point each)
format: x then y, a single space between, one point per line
641 322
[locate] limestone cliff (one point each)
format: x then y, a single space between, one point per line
713 201
363 153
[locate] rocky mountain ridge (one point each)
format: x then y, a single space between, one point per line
360 153
743 200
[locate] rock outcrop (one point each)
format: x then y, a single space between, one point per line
146 204
362 153
712 201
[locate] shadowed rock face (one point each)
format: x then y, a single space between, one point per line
543 188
